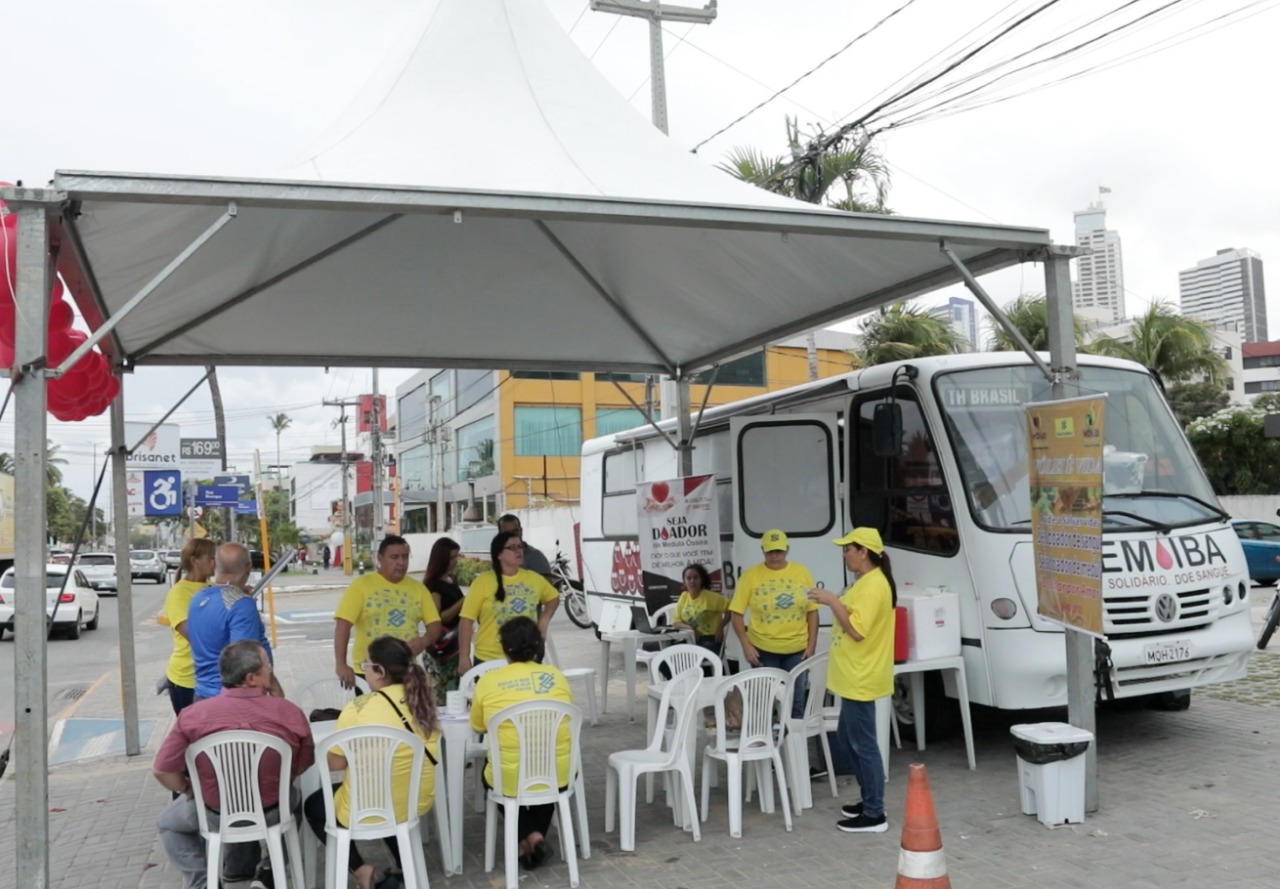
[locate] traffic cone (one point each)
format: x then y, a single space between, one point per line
921 861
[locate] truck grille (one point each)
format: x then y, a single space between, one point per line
1135 614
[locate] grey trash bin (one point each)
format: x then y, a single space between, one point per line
1051 773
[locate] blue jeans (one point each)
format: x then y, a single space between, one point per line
857 732
789 662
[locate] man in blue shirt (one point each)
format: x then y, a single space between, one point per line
221 614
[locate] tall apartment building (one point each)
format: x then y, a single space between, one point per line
1097 293
960 315
1226 289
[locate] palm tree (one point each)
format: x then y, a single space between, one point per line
1029 313
900 331
855 168
52 474
1175 347
280 422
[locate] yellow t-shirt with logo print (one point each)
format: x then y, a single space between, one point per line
705 613
778 604
374 606
523 592
517 684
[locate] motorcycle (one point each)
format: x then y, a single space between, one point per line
572 594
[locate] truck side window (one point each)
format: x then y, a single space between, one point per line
618 511
905 496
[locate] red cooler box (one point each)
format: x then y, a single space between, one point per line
901 637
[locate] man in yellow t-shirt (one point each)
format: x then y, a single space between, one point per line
784 624
860 668
386 603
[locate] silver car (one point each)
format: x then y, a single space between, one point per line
146 563
71 608
172 559
99 569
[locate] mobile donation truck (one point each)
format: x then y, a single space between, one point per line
952 501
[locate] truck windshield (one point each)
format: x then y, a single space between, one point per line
1151 473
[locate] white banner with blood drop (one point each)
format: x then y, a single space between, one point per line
678 526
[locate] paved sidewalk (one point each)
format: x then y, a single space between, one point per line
1186 800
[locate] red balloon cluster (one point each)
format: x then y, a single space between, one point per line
88 387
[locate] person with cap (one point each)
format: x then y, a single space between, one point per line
860 668
784 624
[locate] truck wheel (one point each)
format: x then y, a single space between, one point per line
1172 700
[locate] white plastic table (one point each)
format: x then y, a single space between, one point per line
455 731
630 642
916 670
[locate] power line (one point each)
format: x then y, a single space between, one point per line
811 71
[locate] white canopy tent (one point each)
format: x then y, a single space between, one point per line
487 201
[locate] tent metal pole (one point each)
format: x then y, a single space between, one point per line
109 324
684 425
158 423
124 577
609 299
648 415
996 312
34 208
1080 661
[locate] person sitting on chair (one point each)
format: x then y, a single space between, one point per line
401 697
522 679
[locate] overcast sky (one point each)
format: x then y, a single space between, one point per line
1183 137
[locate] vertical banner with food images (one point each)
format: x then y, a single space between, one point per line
679 525
1065 453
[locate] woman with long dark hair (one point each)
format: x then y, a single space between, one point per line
523 679
196 569
442 658
701 609
860 668
401 697
508 592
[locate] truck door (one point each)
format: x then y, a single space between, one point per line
786 472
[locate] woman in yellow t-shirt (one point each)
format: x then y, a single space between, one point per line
508 592
860 668
701 609
401 697
523 679
197 568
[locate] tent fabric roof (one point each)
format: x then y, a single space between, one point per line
490 201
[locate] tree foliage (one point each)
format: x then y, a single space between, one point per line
1191 401
899 332
1029 313
1175 347
1234 453
855 179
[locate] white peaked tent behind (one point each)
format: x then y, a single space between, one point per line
489 171
487 201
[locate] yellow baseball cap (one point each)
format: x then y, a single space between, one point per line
773 540
867 538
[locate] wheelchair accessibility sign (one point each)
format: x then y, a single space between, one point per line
162 492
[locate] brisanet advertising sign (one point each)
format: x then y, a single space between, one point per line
159 449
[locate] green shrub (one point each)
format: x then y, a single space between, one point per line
468 568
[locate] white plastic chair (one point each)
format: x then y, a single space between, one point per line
677 659
476 750
758 741
537 725
324 692
811 725
667 752
572 673
370 751
235 757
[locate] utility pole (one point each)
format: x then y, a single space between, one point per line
656 11
379 524
439 435
346 493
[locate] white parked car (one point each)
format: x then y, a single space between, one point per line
76 606
99 569
147 563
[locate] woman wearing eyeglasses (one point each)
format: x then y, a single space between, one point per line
494 598
401 697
